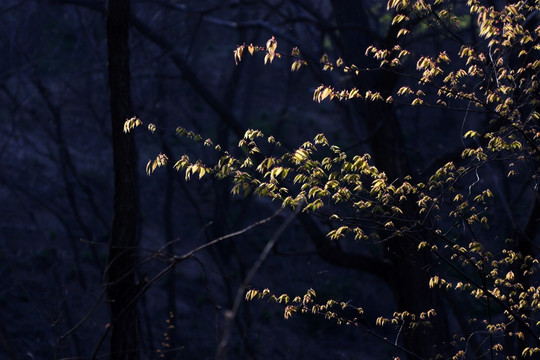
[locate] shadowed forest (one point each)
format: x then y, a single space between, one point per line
269 179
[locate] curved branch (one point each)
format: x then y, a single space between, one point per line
334 255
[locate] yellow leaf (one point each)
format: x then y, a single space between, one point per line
324 59
238 54
327 91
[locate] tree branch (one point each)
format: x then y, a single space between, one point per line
334 255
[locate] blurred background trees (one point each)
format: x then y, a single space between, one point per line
58 189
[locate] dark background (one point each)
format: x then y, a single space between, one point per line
56 175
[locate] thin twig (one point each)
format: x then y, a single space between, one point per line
231 314
173 261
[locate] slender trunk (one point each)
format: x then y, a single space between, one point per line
121 285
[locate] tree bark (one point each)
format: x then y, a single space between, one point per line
120 275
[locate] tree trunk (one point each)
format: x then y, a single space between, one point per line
120 275
407 277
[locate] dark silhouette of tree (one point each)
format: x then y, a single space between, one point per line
121 287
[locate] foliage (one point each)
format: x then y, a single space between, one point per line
456 214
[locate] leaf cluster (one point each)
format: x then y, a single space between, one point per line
449 213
